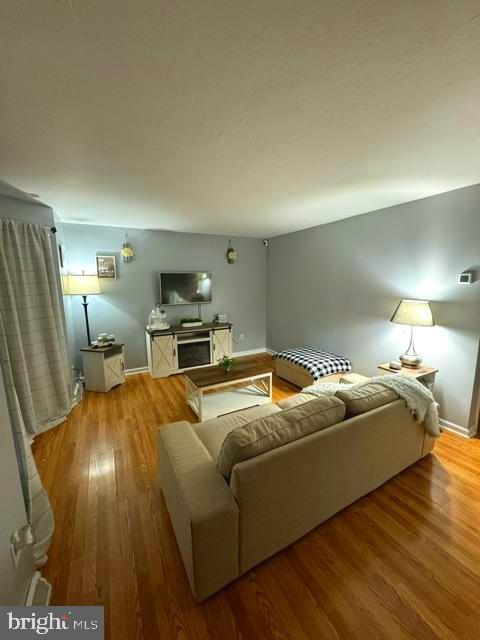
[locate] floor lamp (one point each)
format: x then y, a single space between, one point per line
82 285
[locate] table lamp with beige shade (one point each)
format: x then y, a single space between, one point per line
82 285
414 313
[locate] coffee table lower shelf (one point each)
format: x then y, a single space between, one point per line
219 399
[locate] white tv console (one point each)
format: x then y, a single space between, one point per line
180 348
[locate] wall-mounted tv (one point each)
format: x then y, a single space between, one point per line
193 287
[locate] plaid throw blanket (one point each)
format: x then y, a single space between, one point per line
318 363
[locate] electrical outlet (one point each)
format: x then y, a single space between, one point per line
241 337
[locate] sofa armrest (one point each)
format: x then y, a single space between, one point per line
428 444
202 509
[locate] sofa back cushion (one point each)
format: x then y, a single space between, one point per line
294 401
365 398
213 432
264 434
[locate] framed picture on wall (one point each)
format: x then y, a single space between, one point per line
106 267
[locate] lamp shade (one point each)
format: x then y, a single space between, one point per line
81 285
416 313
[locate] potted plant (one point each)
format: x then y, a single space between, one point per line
226 363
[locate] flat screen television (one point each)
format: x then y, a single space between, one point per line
193 287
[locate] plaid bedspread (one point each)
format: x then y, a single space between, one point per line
318 363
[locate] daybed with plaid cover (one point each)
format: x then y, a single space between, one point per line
316 362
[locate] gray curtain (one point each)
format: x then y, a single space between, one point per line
33 356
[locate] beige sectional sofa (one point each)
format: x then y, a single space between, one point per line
244 486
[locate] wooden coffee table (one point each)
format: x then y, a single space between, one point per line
212 392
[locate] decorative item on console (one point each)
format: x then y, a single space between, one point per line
191 322
396 365
103 340
220 318
158 319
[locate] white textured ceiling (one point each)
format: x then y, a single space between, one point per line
235 116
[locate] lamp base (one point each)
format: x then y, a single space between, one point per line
411 360
87 325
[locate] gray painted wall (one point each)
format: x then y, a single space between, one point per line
123 308
15 208
337 285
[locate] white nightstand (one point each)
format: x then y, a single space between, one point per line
103 367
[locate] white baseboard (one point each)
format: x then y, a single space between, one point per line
252 352
458 429
130 372
270 351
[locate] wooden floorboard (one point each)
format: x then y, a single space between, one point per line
401 563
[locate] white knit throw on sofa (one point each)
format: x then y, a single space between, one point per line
418 398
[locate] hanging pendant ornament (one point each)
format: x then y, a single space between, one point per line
127 251
231 253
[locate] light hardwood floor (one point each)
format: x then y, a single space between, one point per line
402 562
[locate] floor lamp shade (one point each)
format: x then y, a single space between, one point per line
82 285
414 313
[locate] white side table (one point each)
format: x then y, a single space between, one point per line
425 375
104 367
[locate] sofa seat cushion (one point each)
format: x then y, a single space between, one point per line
365 398
270 432
213 432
